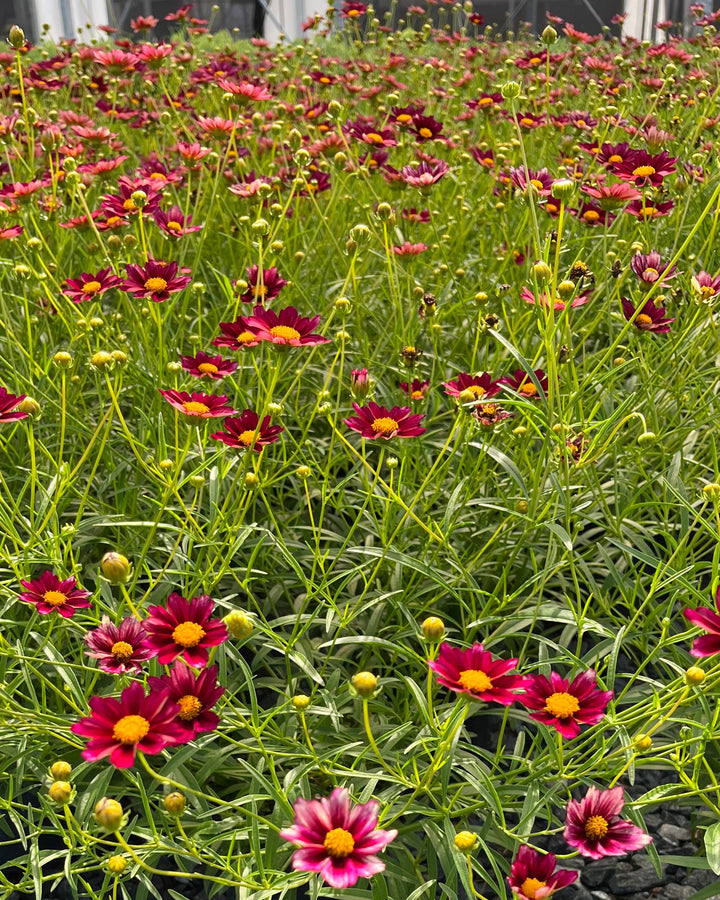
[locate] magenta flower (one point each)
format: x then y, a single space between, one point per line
373 421
118 648
705 286
9 403
337 840
236 335
201 406
286 328
261 289
474 672
202 365
543 299
482 387
566 705
540 182
648 318
594 827
195 696
650 268
174 223
707 644
533 875
88 287
246 432
155 280
50 593
520 382
424 176
184 628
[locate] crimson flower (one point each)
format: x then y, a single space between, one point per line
8 406
520 382
352 9
610 196
155 280
705 286
593 825
118 648
593 214
184 628
88 287
174 223
543 299
566 705
407 249
650 268
203 406
416 390
482 387
474 672
533 876
50 593
202 365
259 290
236 335
424 176
123 205
707 644
540 181
649 318
195 696
648 209
373 421
119 727
643 168
285 328
243 431
337 840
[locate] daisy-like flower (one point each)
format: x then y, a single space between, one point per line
540 182
123 205
286 328
482 387
244 90
52 594
88 287
543 299
610 196
203 365
353 9
592 214
235 335
425 175
407 249
648 209
373 421
594 827
533 876
649 318
184 628
707 644
566 705
155 280
119 727
643 168
705 286
245 432
250 185
337 840
650 268
195 696
174 223
203 406
118 648
520 382
9 403
259 290
474 672
416 390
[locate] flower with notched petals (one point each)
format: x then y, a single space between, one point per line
593 825
705 286
424 176
521 383
203 365
155 280
475 673
262 289
648 318
235 335
482 387
245 431
174 223
373 421
118 648
566 705
195 695
88 287
650 268
416 390
184 628
707 644
203 406
283 328
543 299
533 876
9 403
52 594
643 168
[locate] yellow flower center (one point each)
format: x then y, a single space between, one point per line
174 226
339 843
113 220
552 207
158 176
651 274
404 118
190 708
384 425
130 729
122 651
476 390
643 171
207 368
530 886
642 319
91 287
284 331
188 634
581 123
195 408
416 395
562 705
534 60
596 828
425 132
259 290
591 215
129 205
526 121
536 183
485 101
245 337
474 680
648 212
54 598
375 138
247 437
528 389
615 158
156 285
353 13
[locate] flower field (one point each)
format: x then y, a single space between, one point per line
360 497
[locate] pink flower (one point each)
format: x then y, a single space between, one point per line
195 696
337 840
184 628
50 593
118 648
373 421
533 876
566 705
707 644
474 672
593 825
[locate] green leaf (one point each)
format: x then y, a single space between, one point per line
712 847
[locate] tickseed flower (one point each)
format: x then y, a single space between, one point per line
260 290
49 593
195 696
474 672
203 365
286 328
643 168
407 249
203 406
119 727
184 628
594 827
89 287
9 404
539 182
543 299
236 335
566 705
705 286
174 223
533 875
520 382
649 318
425 175
707 644
416 390
246 432
373 421
650 268
118 648
337 840
155 280
482 387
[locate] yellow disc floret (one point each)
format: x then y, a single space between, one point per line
475 680
130 729
122 651
188 634
190 708
339 843
596 828
384 425
55 598
562 705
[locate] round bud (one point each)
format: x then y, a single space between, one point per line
119 358
251 481
277 246
115 567
60 792
549 36
261 227
520 431
34 243
16 37
60 770
239 624
174 803
433 629
303 472
481 298
139 198
566 289
466 397
108 814
510 90
342 304
647 437
522 506
30 406
302 157
392 462
563 189
101 360
384 212
166 465
465 841
365 684
619 361
301 701
712 492
642 743
542 271
694 675
197 480
360 234
69 164
117 865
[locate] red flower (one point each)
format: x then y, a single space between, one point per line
540 181
566 705
155 280
373 421
250 186
592 214
543 299
119 649
174 223
117 728
407 249
474 672
8 406
705 286
245 90
417 390
482 387
610 196
184 628
352 9
533 875
262 289
648 318
650 268
195 696
236 335
49 593
337 841
593 825
123 205
643 168
648 209
244 432
203 406
202 365
286 327
424 176
88 287
707 644
520 382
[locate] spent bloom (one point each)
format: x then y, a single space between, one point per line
337 840
566 705
533 875
118 648
474 672
373 421
593 825
50 593
707 644
184 628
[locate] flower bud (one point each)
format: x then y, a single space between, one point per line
647 437
643 743
30 406
303 472
384 212
364 684
562 189
301 701
69 164
694 675
165 465
510 91
16 37
115 567
109 814
392 462
542 271
239 624
139 198
465 841
261 227
119 358
117 865
359 383
712 492
101 360
549 36
302 157
433 629
342 304
360 234
174 803
522 506
60 770
294 138
566 289
251 481
60 792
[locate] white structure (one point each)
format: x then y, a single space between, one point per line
639 19
286 17
65 17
